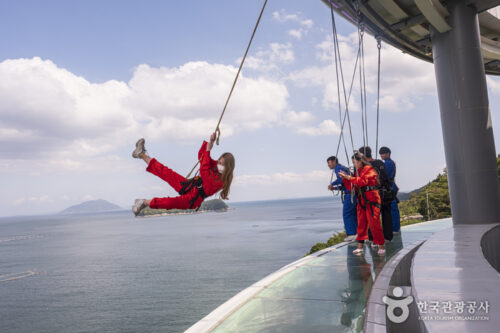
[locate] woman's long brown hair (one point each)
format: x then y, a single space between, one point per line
360 157
227 174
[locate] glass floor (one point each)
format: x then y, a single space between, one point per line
327 294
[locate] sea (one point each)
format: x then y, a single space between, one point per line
113 272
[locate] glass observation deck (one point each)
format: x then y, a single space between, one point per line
326 294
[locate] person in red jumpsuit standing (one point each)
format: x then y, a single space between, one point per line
214 176
365 184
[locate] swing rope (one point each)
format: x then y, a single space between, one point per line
363 106
338 67
379 46
363 83
362 77
217 128
360 59
362 73
341 138
346 99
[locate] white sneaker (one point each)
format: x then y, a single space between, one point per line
139 148
374 246
138 206
358 251
381 252
350 238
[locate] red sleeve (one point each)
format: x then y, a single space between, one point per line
366 179
202 149
347 184
206 162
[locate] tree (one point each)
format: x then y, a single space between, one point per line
439 198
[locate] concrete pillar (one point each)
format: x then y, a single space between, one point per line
465 119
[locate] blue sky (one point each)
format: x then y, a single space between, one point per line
80 81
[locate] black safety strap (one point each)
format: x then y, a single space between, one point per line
363 191
370 188
188 185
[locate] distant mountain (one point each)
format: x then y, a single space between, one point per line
403 196
92 206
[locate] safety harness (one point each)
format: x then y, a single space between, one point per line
189 184
384 187
362 191
343 193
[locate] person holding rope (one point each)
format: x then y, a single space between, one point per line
348 202
385 191
365 184
214 177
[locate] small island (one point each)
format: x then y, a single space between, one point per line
214 205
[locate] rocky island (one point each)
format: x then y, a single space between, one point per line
214 205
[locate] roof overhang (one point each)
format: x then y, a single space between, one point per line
405 24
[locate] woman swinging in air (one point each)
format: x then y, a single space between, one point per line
214 176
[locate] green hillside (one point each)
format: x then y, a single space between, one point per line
439 199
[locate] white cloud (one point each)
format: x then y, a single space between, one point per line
493 84
330 97
404 79
393 103
297 33
293 119
32 200
283 16
326 127
281 178
310 76
302 123
274 57
47 111
348 46
44 108
307 23
192 96
304 24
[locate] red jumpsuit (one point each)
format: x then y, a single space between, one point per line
208 173
368 214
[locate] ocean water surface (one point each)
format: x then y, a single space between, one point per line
116 273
